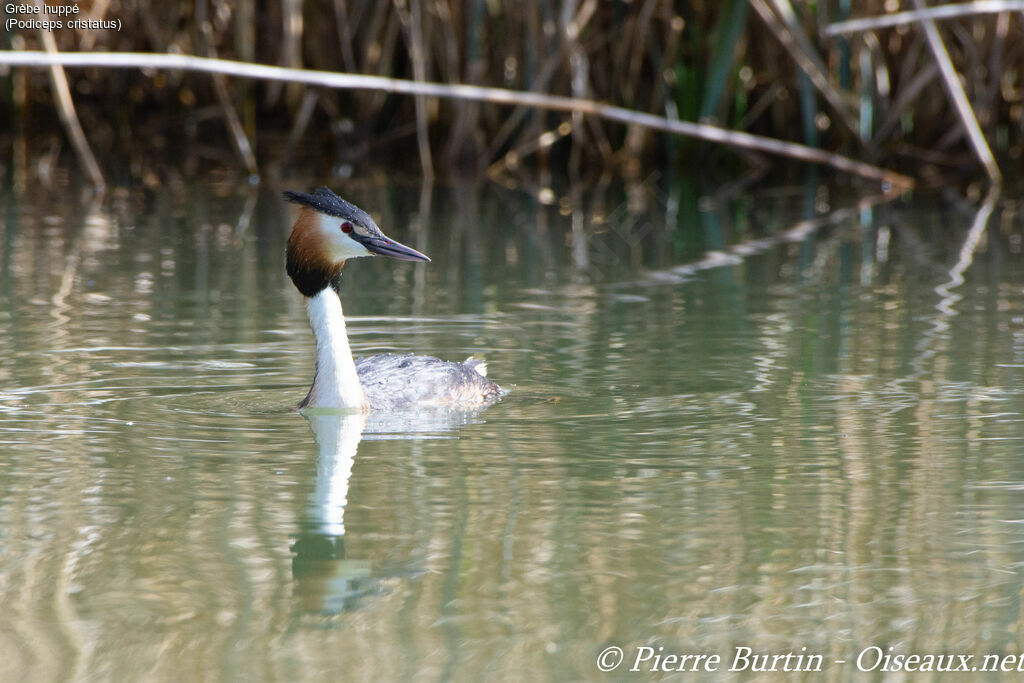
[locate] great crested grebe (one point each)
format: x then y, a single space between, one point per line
328 231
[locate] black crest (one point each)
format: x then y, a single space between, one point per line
325 201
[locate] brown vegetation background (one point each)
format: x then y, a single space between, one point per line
769 67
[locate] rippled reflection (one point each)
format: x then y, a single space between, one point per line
775 419
328 581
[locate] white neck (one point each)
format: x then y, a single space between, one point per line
336 384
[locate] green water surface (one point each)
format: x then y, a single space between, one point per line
780 420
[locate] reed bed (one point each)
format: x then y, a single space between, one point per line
914 90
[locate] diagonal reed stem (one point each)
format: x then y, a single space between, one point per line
959 98
134 60
68 115
964 9
790 34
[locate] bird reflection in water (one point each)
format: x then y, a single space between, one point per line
327 580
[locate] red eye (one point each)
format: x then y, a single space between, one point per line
346 227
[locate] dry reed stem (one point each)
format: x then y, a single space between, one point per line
907 96
959 97
792 38
348 56
504 96
412 20
302 119
66 109
220 88
965 9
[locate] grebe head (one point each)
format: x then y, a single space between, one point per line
328 231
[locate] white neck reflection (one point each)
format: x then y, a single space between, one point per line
337 438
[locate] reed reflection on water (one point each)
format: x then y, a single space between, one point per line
780 419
